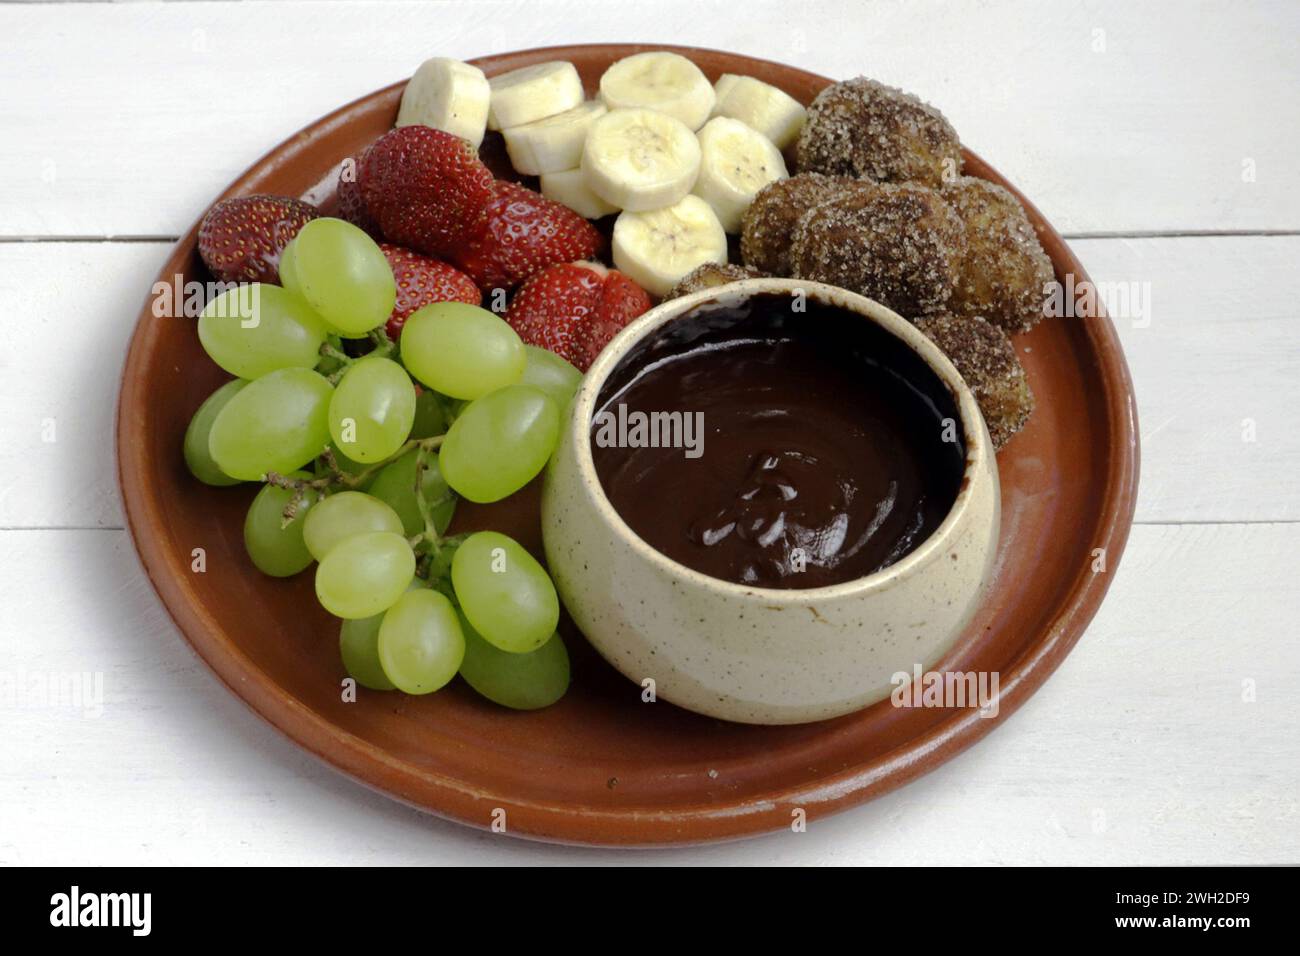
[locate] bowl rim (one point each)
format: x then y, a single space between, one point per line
689 823
978 444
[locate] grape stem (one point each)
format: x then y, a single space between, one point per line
291 508
384 348
430 533
338 478
328 350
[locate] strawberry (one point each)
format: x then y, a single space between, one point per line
240 239
421 280
423 187
520 233
575 309
352 204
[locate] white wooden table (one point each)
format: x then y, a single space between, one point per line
1161 138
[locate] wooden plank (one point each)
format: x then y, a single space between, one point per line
1216 367
1114 117
1219 351
1140 750
70 308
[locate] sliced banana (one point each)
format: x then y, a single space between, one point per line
667 82
638 159
657 248
760 106
725 82
569 188
735 163
448 95
532 93
552 144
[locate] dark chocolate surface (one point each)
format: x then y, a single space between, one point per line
828 448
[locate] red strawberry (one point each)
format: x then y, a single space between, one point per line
423 187
520 233
352 205
421 280
575 309
240 239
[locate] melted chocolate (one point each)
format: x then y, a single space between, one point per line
823 454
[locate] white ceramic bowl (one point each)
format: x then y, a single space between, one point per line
764 655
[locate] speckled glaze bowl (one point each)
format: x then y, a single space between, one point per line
762 655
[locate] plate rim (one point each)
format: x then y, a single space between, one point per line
462 802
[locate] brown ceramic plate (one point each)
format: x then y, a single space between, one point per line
602 767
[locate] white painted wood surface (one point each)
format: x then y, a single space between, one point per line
1168 736
1116 116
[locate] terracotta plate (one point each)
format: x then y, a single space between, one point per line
601 766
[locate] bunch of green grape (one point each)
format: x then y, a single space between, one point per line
364 449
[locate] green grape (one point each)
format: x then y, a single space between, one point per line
372 410
395 486
500 442
521 681
430 416
257 328
278 423
276 550
345 515
197 456
504 592
461 350
359 648
288 268
343 275
552 374
420 642
365 575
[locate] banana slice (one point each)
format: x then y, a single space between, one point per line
657 248
760 106
735 163
638 159
448 95
725 82
532 93
552 144
569 188
667 82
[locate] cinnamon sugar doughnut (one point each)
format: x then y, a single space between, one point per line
771 217
1006 268
710 276
987 360
865 129
901 245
